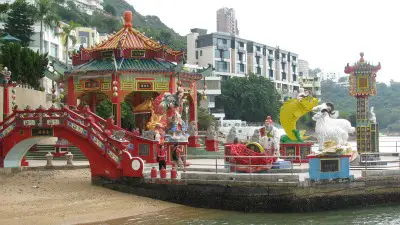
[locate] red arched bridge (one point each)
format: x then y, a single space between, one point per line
112 152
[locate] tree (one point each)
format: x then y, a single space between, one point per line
66 36
27 66
20 21
165 37
104 110
110 9
250 99
45 13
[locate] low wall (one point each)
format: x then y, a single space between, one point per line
25 97
273 197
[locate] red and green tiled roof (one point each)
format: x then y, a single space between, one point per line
125 65
130 38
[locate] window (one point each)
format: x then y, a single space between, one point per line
53 50
241 44
294 58
201 53
300 73
283 66
240 68
258 70
217 53
258 60
83 40
197 55
221 66
294 77
270 52
46 47
227 55
283 76
283 55
271 73
258 48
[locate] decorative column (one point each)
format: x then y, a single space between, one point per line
116 99
71 100
172 84
362 81
6 98
193 140
93 100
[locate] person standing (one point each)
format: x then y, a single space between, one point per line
161 157
176 157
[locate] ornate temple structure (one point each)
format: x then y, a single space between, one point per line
128 67
362 85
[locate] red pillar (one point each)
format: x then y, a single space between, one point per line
172 84
193 140
71 98
6 102
136 102
116 100
93 100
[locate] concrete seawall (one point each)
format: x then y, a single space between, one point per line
265 197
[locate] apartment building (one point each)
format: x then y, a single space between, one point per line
86 36
233 56
213 84
226 21
309 82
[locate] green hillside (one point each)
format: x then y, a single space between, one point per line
107 23
151 25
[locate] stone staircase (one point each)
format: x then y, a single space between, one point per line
44 149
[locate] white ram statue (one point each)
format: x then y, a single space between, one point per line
329 129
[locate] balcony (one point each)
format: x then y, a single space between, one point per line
283 60
211 104
222 46
241 49
294 63
271 57
259 54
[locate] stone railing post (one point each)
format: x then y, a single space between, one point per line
49 158
69 156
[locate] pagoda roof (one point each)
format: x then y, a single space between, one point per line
125 65
362 67
130 38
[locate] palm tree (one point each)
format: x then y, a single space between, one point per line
46 14
66 36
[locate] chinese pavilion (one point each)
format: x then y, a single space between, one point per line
129 67
362 85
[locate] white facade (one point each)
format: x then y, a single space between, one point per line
303 68
213 84
330 75
233 56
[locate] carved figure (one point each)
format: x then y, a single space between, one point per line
231 136
192 130
328 129
371 115
172 104
256 136
270 137
211 134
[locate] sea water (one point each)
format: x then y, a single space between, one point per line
382 215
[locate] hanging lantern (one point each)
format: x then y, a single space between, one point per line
61 90
61 85
115 88
115 83
115 94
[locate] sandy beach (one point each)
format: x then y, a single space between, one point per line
66 197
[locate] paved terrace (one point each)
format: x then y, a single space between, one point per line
216 169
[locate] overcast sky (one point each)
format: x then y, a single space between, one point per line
327 34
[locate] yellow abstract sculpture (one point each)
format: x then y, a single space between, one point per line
291 111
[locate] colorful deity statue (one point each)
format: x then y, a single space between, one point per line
172 105
270 137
